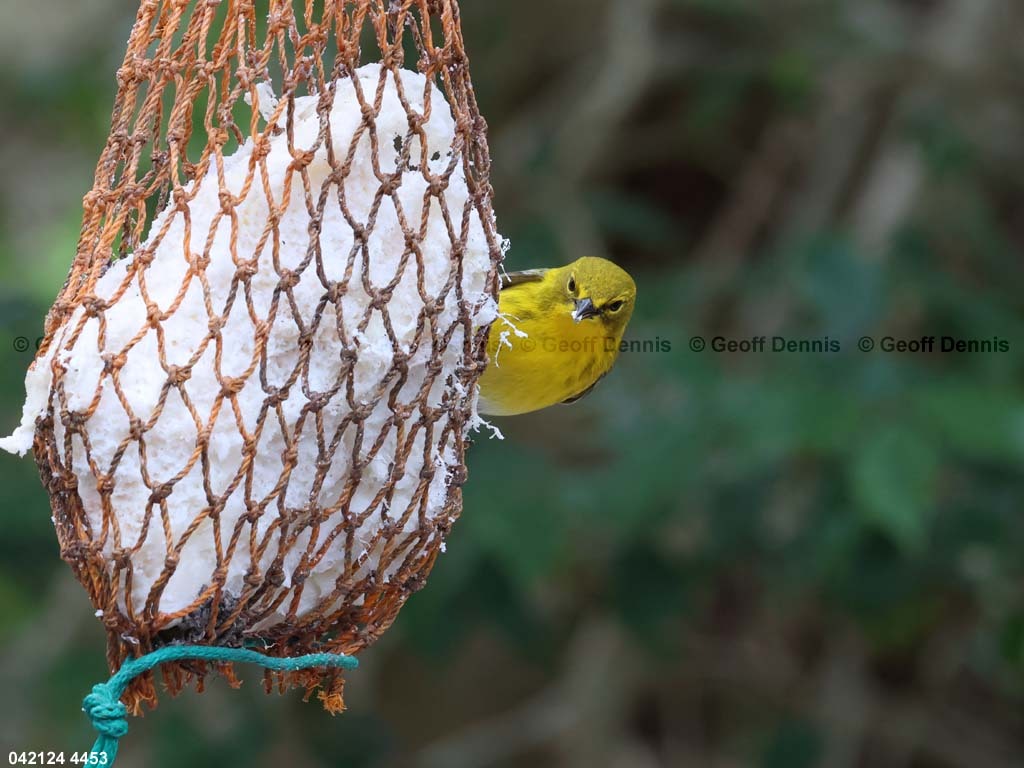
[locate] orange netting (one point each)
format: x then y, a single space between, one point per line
294 471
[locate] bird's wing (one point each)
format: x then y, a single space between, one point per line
508 279
586 391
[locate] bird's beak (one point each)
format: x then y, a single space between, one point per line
584 308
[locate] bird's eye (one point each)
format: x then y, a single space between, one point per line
572 284
615 306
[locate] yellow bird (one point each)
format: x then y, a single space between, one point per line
558 332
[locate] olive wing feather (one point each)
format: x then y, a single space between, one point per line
510 279
586 391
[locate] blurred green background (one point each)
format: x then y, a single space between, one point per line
716 560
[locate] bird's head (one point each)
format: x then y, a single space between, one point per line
598 291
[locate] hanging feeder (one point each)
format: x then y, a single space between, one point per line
251 400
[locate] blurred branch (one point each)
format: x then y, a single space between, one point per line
843 703
588 103
894 174
607 85
626 66
756 195
839 128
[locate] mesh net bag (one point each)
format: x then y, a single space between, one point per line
251 404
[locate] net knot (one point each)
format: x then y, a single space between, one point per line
112 362
108 716
289 279
231 386
93 306
121 558
178 375
136 428
335 291
246 270
133 193
75 420
227 202
125 76
274 396
261 147
106 712
92 199
104 484
154 315
302 158
276 20
160 493
143 258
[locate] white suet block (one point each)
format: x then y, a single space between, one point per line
172 440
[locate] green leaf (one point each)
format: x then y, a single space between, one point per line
977 421
893 478
845 290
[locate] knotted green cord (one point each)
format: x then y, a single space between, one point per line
110 717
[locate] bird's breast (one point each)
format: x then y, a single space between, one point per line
537 360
